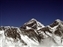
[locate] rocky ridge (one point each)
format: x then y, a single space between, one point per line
33 31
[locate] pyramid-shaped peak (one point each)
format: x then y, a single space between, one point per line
56 22
33 23
33 19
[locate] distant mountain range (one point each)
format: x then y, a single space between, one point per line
32 34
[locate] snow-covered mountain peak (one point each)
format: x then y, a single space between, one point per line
58 20
33 23
60 23
32 34
34 19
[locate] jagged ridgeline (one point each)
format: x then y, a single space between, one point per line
32 33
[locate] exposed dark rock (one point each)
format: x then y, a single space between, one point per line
31 34
54 24
58 31
46 29
23 27
12 33
30 25
33 25
23 42
2 28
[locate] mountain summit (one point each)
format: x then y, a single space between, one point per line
32 34
33 23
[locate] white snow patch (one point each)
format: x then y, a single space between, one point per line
28 27
28 41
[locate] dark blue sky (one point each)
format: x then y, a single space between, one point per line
16 13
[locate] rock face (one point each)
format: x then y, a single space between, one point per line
31 28
12 33
32 34
33 24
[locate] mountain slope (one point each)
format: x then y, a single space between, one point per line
32 34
